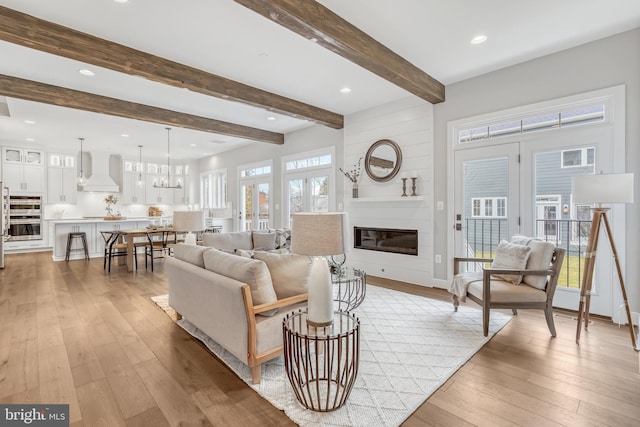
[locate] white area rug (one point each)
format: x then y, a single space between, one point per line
409 346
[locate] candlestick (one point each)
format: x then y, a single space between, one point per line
413 186
404 187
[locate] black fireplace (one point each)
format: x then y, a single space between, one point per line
392 240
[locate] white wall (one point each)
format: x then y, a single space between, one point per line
604 63
409 123
307 139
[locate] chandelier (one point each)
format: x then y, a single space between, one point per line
166 183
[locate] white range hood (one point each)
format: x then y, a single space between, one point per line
100 180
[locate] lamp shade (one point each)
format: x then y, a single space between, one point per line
188 221
603 188
318 234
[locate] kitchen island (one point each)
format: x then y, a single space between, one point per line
92 227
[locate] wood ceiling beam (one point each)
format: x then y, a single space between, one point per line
35 33
313 21
29 90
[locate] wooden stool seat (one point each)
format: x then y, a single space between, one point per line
71 237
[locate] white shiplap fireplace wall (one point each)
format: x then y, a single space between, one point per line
409 123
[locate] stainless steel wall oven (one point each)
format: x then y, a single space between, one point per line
25 217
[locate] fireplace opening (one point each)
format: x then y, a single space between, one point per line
386 240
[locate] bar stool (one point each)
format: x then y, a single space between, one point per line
71 237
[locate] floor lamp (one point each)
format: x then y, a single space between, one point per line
596 190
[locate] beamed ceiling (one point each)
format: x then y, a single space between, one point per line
225 73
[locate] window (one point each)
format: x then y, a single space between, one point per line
308 182
213 189
255 171
576 116
489 207
578 158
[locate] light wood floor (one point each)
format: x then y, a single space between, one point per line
70 333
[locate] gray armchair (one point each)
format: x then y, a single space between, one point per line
531 287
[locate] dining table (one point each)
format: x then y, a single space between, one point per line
130 236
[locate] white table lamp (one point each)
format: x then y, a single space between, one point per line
319 235
189 221
597 190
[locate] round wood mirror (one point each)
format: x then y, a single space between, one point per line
383 160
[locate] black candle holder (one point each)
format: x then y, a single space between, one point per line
413 186
404 187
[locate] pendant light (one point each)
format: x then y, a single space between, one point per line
81 180
167 183
140 180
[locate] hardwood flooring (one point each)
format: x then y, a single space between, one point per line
71 333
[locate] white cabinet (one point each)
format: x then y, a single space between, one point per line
132 191
181 195
157 174
61 182
23 170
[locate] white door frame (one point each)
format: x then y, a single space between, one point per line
614 99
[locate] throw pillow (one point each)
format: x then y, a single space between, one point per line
264 241
289 272
283 238
229 241
246 270
190 253
511 255
539 259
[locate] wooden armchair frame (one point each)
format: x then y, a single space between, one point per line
553 272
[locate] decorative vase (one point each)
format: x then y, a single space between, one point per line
354 190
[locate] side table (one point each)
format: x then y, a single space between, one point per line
321 362
349 288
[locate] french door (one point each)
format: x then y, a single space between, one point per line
255 208
525 187
307 192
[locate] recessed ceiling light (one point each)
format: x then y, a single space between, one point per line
345 90
121 1
481 38
193 145
30 139
271 118
29 122
86 72
124 135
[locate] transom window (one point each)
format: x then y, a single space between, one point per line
308 162
582 115
255 171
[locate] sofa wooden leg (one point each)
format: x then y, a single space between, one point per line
255 374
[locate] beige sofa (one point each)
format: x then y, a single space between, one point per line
237 301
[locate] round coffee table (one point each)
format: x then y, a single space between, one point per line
321 362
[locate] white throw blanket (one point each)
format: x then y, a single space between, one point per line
460 284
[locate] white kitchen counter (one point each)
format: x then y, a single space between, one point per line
92 227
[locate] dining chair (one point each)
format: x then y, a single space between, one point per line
157 246
113 247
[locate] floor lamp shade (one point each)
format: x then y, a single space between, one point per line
603 188
189 221
319 235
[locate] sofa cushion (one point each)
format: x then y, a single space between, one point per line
289 272
263 240
506 292
539 259
510 255
190 253
250 271
229 241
